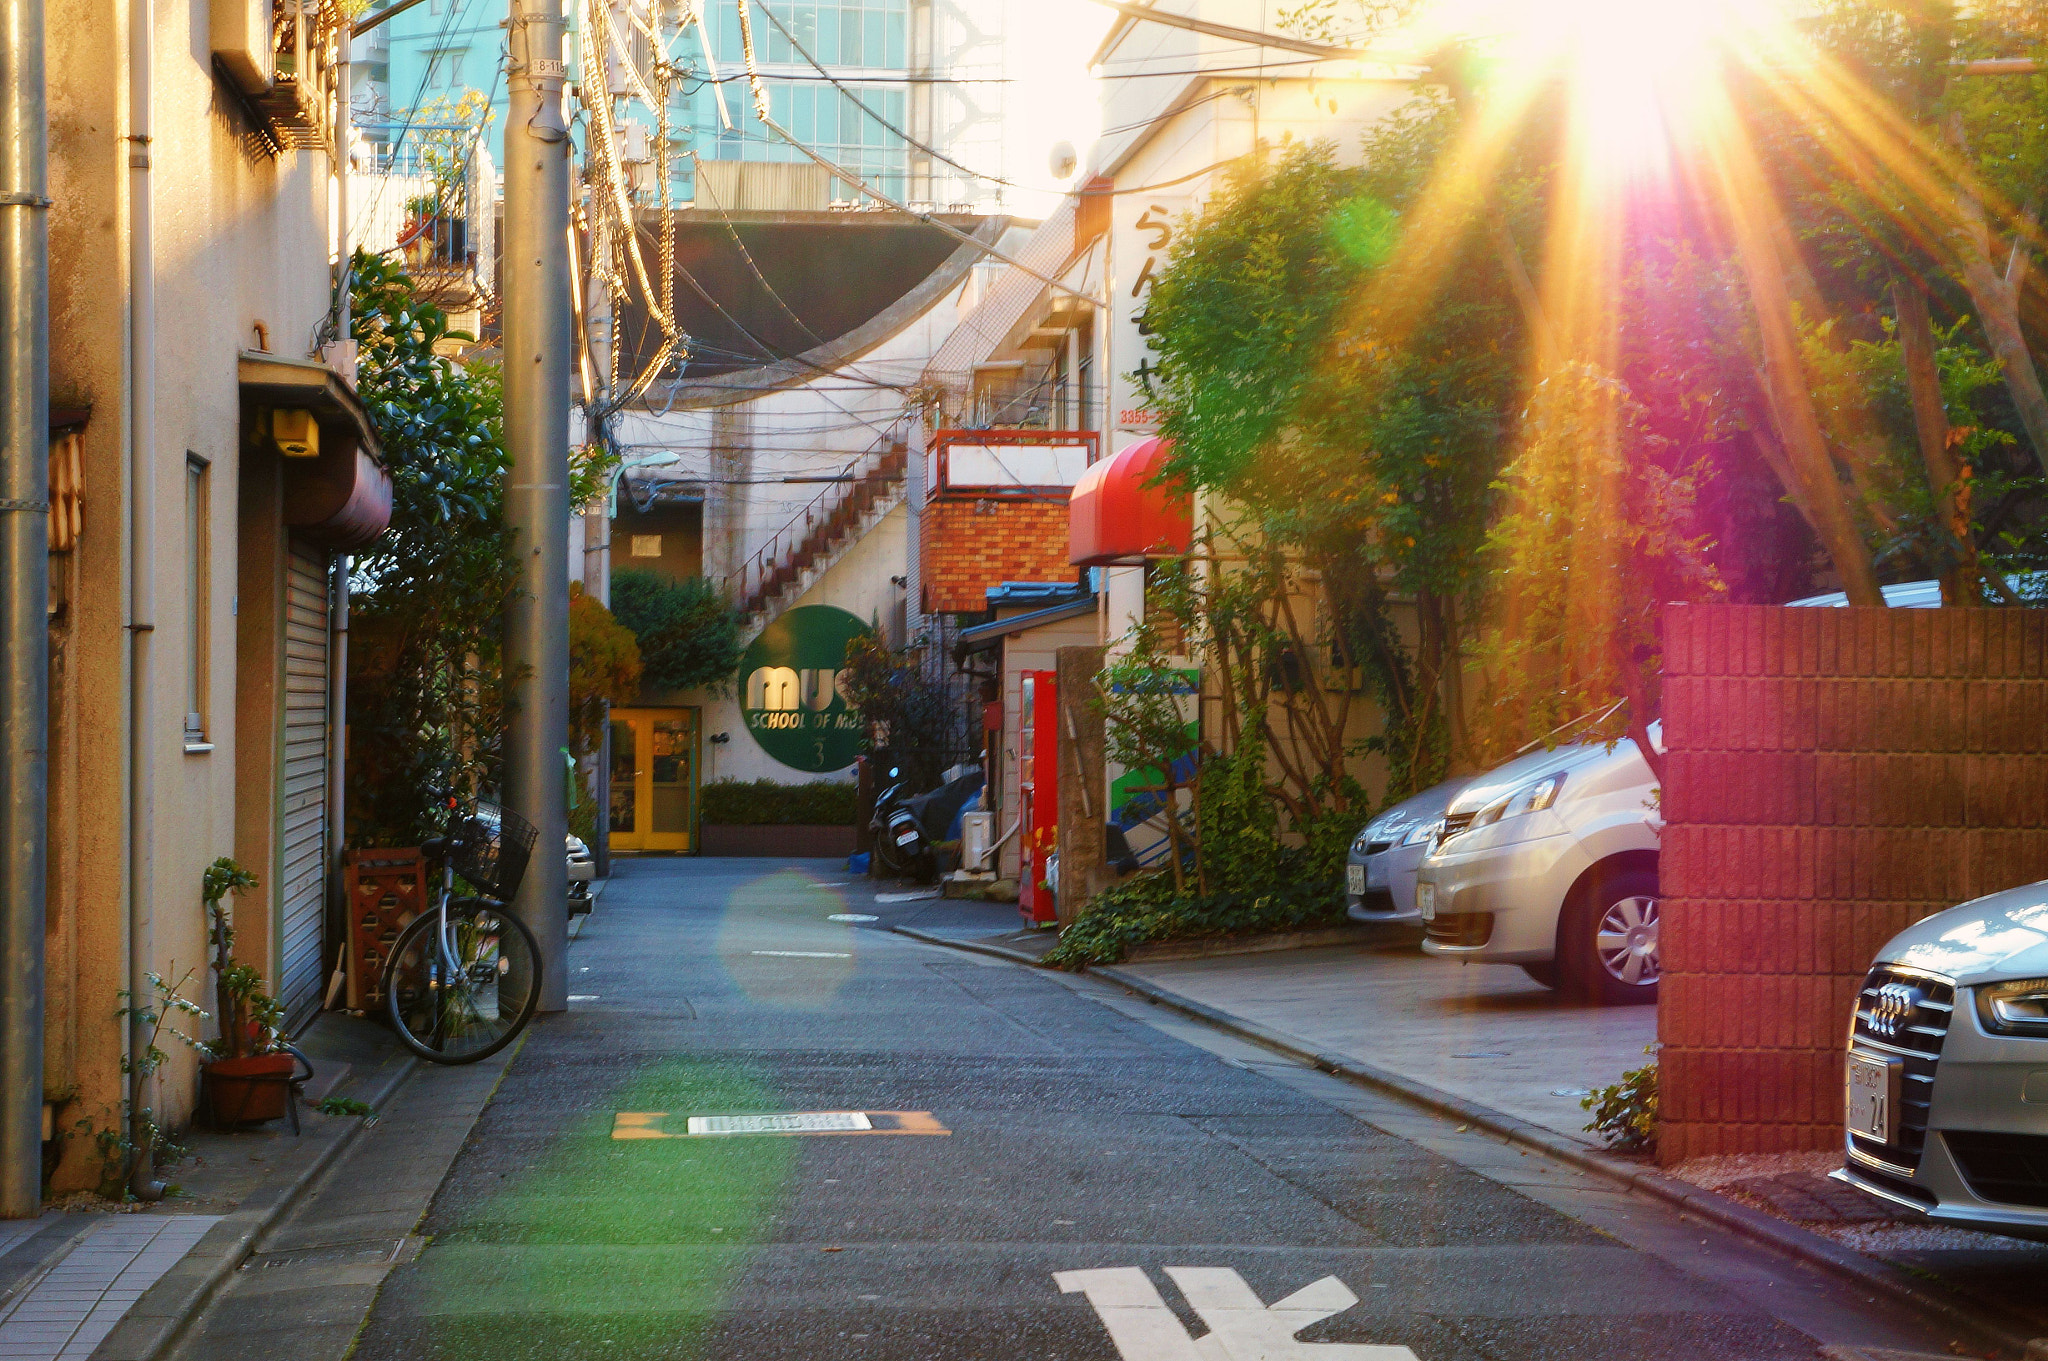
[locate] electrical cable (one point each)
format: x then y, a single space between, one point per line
761 111
858 103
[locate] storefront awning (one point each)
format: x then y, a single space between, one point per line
1116 516
341 497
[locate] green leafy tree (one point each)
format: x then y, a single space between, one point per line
1590 542
689 636
1355 331
426 674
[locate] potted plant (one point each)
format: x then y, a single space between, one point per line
249 1076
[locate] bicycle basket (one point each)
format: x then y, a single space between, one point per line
491 848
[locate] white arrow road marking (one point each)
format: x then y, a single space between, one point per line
1241 1326
1139 1323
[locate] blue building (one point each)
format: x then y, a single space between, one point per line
896 72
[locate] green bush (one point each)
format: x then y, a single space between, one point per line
1143 909
765 803
1625 1115
689 635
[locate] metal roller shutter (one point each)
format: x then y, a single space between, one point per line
302 874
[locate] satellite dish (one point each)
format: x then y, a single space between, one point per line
1062 160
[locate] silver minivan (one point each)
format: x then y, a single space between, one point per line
1379 869
1946 1082
1550 862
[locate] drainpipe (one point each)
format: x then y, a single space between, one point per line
24 598
141 568
337 612
337 726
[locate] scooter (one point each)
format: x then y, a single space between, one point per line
902 850
905 829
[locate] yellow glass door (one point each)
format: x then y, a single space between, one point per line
654 779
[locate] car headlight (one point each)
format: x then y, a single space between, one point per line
1530 798
2016 1008
1422 831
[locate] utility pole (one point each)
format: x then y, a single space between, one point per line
598 322
24 597
537 350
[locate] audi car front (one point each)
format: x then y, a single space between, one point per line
1946 1081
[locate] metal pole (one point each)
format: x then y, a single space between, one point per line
337 616
537 352
24 598
142 738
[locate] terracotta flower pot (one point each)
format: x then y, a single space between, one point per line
246 1090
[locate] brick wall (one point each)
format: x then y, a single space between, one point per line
967 546
1833 776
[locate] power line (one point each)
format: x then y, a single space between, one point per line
761 112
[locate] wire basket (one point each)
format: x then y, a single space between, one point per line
491 848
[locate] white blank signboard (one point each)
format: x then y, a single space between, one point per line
1015 465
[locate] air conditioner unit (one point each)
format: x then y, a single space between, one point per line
242 41
977 835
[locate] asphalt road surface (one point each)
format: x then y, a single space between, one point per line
1052 1171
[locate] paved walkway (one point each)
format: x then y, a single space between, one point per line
1484 1032
79 1300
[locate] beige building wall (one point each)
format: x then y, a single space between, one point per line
240 239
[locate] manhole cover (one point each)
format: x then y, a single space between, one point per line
808 1122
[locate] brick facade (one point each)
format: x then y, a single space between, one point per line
967 545
1833 775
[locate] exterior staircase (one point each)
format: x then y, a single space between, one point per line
818 536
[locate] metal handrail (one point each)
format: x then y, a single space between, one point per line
749 586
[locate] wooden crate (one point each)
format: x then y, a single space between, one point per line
387 888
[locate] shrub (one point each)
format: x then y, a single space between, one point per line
1625 1115
1144 908
761 803
689 636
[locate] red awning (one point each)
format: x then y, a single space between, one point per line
1115 517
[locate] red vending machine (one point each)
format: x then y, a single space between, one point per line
1038 766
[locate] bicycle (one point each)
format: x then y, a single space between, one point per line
464 978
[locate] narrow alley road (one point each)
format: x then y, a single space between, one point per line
1056 1173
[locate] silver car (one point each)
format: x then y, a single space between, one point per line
1550 862
1946 1085
1379 869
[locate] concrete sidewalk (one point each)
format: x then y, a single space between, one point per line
1486 1033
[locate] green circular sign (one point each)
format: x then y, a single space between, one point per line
790 689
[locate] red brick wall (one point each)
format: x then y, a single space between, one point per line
967 546
1832 777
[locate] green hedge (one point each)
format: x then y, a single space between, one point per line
765 803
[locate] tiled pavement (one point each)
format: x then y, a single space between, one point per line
77 1303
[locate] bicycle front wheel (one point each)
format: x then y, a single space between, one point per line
463 995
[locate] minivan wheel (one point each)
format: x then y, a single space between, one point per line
1608 944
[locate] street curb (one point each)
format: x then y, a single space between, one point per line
1223 947
972 946
159 1319
1753 1224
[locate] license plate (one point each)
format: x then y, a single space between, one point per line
1873 1097
905 838
1354 879
1425 901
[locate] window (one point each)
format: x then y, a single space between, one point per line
197 591
444 69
